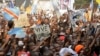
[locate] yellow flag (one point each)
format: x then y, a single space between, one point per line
98 1
28 9
22 8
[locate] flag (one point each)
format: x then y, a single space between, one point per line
28 9
71 4
91 4
34 6
11 4
10 13
98 1
13 31
64 4
23 6
19 32
56 7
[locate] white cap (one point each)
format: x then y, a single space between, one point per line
83 29
20 43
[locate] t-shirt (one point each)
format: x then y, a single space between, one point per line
23 53
63 51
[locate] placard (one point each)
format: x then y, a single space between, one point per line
42 31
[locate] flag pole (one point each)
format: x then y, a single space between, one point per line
92 12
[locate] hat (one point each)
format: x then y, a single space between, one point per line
78 48
62 38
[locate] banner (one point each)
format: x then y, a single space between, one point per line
22 21
42 31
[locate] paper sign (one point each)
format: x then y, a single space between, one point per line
42 31
21 21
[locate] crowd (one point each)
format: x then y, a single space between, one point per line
82 39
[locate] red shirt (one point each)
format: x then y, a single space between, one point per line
23 53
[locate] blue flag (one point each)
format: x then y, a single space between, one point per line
10 12
19 32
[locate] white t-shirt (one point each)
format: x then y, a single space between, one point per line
63 51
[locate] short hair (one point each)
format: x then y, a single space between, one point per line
10 24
